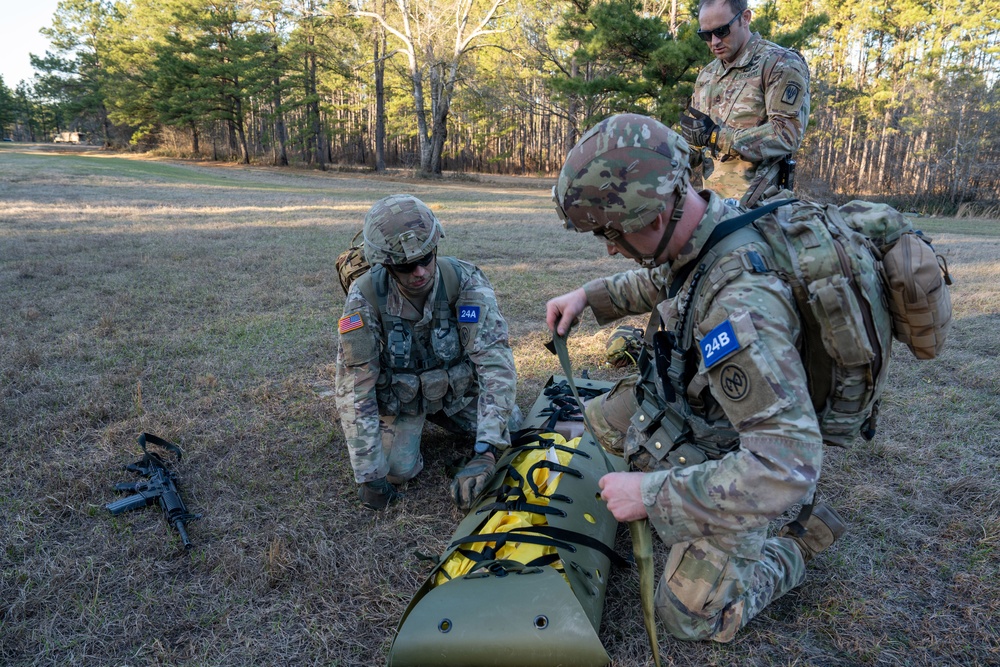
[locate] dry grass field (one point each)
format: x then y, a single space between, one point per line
199 303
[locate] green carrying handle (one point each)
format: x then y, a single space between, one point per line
642 538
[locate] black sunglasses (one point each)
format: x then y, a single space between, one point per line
721 32
412 266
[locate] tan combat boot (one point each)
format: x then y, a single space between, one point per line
823 527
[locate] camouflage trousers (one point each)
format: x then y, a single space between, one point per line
706 591
401 437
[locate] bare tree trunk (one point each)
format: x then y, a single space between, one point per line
316 128
418 106
380 47
883 148
956 151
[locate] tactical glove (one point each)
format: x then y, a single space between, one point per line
471 480
378 494
699 129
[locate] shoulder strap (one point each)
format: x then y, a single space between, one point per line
374 286
451 276
722 230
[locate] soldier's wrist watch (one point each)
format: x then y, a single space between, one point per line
483 447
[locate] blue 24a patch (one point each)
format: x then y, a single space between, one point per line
468 313
718 344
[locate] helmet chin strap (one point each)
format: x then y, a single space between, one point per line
649 261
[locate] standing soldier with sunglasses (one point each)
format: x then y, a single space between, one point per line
749 109
421 338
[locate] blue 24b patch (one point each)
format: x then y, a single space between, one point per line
718 344
468 313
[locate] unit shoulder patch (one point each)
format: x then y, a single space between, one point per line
734 381
718 344
791 94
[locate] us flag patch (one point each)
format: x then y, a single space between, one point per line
350 322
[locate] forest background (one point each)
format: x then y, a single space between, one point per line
905 95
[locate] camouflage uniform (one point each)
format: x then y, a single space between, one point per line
761 100
382 432
757 425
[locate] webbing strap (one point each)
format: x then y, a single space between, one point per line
558 347
722 230
157 440
549 536
642 539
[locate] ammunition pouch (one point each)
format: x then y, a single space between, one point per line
460 379
845 339
667 434
434 385
406 388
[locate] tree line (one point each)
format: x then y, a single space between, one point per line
904 93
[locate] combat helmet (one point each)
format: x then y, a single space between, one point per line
620 176
400 229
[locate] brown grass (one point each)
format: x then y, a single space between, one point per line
199 303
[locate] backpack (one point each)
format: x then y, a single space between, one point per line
351 264
855 281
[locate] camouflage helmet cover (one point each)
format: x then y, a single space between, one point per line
620 175
400 229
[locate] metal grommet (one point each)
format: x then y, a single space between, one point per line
541 622
444 625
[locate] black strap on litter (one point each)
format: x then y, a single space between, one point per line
549 536
560 497
521 440
554 467
502 538
582 539
560 411
513 503
722 230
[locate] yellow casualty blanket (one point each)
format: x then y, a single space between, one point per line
502 521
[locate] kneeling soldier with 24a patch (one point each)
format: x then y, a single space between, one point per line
737 392
421 338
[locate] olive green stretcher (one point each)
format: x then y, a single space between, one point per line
543 612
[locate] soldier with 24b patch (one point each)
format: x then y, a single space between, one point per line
421 338
749 109
719 425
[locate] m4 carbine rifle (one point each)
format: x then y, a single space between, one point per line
160 486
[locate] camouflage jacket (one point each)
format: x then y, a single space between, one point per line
363 377
762 100
760 389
